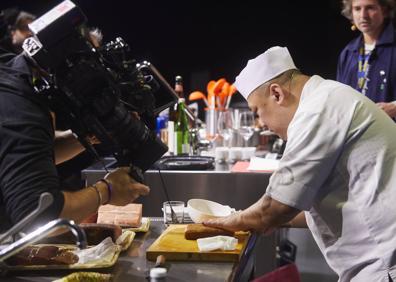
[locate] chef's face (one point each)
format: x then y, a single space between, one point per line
268 102
368 16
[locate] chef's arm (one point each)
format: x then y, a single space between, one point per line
263 216
298 221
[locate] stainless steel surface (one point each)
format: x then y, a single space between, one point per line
40 233
177 271
133 266
238 190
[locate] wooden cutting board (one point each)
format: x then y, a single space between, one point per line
174 246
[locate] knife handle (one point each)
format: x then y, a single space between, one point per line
160 261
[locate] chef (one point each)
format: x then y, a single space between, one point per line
338 172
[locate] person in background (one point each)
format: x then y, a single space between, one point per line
338 171
368 63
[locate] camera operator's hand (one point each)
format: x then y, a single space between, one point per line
125 188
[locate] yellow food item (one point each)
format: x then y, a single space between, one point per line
86 277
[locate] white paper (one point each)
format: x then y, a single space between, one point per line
225 243
102 252
257 163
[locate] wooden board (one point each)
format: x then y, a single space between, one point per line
175 247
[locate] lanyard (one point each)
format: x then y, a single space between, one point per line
363 68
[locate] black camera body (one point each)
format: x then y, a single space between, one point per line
95 90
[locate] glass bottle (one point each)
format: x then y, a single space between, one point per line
179 86
180 92
182 146
173 117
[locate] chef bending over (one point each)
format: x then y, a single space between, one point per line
338 172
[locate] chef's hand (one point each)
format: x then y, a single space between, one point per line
389 108
232 222
125 189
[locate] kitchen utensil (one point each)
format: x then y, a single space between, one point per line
246 125
198 95
173 212
200 210
231 92
105 262
225 90
211 94
218 86
225 123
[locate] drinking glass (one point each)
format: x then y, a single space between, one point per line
211 128
246 125
224 126
173 212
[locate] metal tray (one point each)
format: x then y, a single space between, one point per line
106 263
184 163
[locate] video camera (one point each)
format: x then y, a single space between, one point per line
95 90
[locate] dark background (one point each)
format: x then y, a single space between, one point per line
205 40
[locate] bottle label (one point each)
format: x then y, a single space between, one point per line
185 148
177 143
181 143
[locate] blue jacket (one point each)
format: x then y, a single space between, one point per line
381 82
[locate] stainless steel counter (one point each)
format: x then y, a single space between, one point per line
133 266
238 190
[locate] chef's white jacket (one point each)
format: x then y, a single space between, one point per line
339 165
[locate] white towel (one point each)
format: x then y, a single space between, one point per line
225 243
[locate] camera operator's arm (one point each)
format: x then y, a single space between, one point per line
67 146
81 204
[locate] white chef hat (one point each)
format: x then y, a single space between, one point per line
263 68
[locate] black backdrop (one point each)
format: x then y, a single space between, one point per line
203 40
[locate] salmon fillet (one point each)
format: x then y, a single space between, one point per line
128 216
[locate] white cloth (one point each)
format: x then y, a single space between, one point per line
103 252
263 68
339 165
225 243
